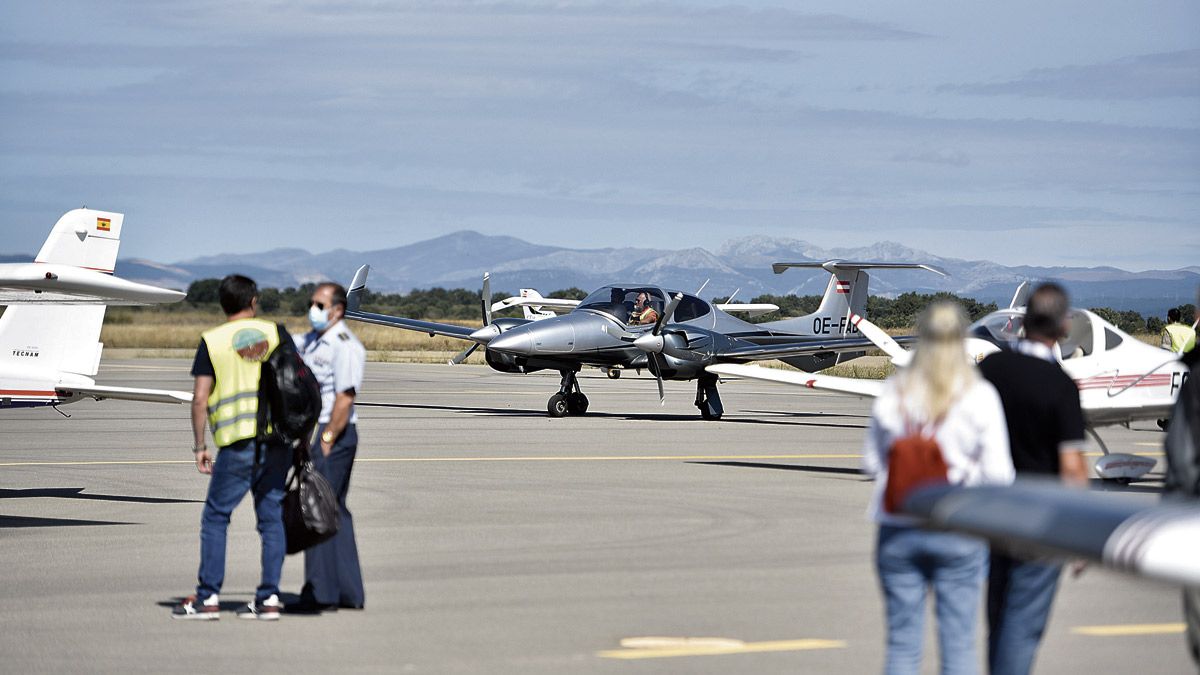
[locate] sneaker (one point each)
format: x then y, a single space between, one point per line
267 610
209 610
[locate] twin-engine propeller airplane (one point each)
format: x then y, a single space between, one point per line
684 334
50 336
1120 378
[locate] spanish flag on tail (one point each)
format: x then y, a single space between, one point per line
104 224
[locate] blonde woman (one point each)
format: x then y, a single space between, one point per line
940 396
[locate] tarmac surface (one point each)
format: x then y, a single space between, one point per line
495 539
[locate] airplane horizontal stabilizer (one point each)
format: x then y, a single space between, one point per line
100 393
831 265
50 283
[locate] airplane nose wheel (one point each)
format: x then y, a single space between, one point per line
708 399
569 400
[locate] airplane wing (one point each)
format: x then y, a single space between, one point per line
47 283
840 385
354 301
781 267
783 350
431 327
1046 519
553 304
100 393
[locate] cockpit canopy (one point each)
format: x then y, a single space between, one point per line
1007 326
618 301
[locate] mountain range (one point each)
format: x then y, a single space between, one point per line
459 259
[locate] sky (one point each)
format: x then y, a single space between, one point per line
1063 133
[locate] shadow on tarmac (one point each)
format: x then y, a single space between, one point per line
641 417
10 522
77 493
807 468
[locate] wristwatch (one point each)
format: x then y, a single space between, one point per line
327 437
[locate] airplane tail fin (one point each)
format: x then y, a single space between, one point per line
845 296
84 238
534 312
64 338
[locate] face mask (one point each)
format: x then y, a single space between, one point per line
319 318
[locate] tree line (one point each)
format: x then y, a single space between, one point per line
464 305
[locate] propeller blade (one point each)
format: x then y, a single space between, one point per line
668 311
662 394
462 356
487 298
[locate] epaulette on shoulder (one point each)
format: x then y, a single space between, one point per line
344 337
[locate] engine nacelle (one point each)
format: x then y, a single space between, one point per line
504 363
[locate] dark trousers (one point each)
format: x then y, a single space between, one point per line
331 572
1020 594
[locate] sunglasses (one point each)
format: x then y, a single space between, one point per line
318 305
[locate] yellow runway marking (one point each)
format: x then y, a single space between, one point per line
676 647
616 458
1145 444
597 458
1119 630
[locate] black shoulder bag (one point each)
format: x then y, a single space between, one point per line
310 507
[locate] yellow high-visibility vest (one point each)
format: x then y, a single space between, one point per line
237 350
1182 337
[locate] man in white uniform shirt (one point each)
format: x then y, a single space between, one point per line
332 578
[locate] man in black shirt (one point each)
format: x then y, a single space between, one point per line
1046 435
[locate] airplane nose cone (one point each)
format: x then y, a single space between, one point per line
512 342
649 343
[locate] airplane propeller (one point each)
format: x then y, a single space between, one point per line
653 344
486 296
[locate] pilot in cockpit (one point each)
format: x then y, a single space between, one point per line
643 313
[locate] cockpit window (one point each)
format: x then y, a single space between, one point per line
619 301
1078 341
1000 328
1111 339
690 307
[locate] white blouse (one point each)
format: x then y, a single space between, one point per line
973 438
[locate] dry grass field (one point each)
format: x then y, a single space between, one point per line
136 333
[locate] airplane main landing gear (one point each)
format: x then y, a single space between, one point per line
708 399
569 400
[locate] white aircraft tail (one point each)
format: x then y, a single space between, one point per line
64 338
84 238
845 296
534 311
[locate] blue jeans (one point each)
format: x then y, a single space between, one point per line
1020 594
910 560
234 474
331 571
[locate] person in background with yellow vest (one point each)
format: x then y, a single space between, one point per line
1176 335
226 369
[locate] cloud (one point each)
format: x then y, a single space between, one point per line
932 156
1151 76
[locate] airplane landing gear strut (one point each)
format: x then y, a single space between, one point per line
708 399
569 400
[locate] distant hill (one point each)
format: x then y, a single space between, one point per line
459 259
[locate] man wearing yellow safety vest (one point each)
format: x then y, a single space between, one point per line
1176 335
226 369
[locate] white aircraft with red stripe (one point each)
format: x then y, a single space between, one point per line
50 334
1120 378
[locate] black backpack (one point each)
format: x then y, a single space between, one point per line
310 506
289 396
